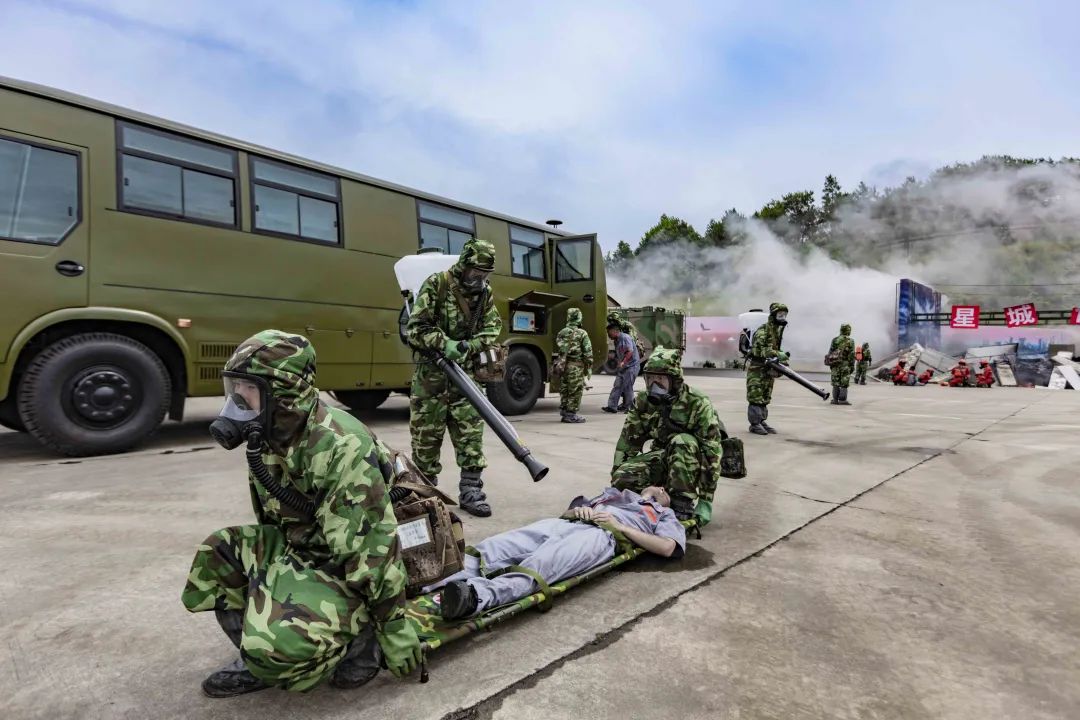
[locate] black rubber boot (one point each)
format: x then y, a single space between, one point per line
471 495
458 600
233 679
361 662
609 410
756 414
835 395
843 396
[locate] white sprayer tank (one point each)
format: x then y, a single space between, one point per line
413 270
753 320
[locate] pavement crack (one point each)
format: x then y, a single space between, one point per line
485 708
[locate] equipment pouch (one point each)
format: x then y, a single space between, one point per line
489 365
733 461
832 358
558 367
431 538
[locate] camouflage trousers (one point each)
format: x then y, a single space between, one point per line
298 620
572 387
677 467
436 406
860 370
759 385
841 375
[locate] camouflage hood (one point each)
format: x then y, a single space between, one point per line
845 330
774 308
665 361
573 317
287 363
478 254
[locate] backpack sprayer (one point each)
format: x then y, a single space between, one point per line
411 271
751 321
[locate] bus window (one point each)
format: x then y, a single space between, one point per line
39 193
172 176
573 260
295 203
527 253
444 228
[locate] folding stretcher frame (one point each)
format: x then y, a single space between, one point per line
434 633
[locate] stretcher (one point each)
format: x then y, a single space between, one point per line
434 632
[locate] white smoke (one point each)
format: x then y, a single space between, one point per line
996 235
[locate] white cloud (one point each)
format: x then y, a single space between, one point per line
605 114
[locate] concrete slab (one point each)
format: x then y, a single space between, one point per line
98 550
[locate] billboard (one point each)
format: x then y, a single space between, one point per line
913 297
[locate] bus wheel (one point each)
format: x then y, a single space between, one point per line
93 394
524 382
361 400
9 414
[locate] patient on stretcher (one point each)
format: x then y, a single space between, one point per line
584 537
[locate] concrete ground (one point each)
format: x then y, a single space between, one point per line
916 556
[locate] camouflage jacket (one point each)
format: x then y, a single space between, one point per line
766 343
332 459
573 345
692 412
431 323
846 347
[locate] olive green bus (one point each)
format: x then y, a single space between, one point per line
136 253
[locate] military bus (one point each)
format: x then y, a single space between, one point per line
136 253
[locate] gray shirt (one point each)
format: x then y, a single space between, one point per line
623 344
634 511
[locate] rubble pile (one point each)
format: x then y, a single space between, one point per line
1057 373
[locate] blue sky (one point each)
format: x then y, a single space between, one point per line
604 114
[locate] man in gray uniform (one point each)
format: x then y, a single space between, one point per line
626 372
586 536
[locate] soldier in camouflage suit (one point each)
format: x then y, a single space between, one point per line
844 348
307 593
575 352
453 314
861 366
759 378
685 431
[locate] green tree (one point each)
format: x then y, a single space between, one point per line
669 230
620 257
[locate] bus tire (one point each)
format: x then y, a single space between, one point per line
361 400
93 394
524 382
9 414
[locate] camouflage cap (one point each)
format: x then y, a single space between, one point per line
665 361
287 362
479 254
573 316
845 329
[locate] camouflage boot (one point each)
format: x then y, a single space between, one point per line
471 495
233 679
360 664
756 415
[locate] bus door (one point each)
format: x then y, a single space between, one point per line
44 241
576 273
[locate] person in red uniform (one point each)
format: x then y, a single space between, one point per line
924 378
900 373
985 377
960 374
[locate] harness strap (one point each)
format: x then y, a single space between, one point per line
545 589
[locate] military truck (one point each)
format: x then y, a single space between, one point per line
656 326
136 253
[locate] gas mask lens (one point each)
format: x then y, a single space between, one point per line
659 387
244 404
474 279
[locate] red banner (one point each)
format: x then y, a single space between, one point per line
1074 319
964 317
1021 315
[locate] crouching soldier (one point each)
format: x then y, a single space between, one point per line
685 432
315 590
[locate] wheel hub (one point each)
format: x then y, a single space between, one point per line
519 381
104 397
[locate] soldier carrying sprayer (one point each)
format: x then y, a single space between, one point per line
759 377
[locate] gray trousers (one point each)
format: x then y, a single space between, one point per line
623 388
555 549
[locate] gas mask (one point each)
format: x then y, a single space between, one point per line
474 281
246 410
659 389
781 318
